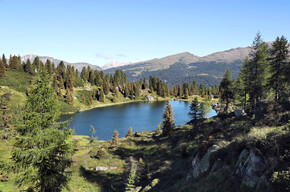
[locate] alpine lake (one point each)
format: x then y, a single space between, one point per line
141 116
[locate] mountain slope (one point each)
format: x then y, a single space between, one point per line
77 66
181 67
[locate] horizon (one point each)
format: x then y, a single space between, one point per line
129 31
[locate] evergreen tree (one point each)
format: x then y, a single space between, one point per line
92 77
279 58
60 82
48 66
28 67
258 71
115 139
194 109
243 83
129 133
36 64
98 80
131 180
42 151
69 97
4 60
91 100
13 62
2 69
102 96
226 86
168 120
106 87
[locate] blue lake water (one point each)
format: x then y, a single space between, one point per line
141 116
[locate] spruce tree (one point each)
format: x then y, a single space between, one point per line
13 62
102 96
69 97
4 60
279 58
129 133
168 120
28 67
243 84
36 64
227 91
42 152
115 139
259 60
131 180
194 109
2 69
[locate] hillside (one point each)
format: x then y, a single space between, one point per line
78 65
175 69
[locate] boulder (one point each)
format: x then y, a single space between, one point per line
101 168
149 98
250 167
239 113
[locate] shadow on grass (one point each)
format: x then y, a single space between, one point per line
108 181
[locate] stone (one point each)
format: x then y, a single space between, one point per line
149 98
239 113
101 168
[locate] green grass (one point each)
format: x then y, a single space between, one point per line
16 80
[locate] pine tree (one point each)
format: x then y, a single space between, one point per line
4 60
279 58
60 82
243 83
106 87
168 122
131 180
48 66
13 62
194 109
36 64
102 96
28 67
42 152
91 100
115 139
2 69
258 71
69 97
227 91
129 133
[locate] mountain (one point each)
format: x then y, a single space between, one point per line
113 64
77 66
181 67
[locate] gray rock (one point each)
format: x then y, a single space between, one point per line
250 167
149 98
239 113
101 168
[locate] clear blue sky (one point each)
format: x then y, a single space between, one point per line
132 30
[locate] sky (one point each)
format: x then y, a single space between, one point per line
99 32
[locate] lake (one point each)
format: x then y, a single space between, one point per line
141 116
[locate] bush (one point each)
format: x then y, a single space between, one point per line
99 154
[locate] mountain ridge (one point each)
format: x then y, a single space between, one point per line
77 65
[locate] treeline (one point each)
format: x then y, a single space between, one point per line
66 78
265 75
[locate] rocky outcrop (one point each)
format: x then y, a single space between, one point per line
201 165
149 98
249 168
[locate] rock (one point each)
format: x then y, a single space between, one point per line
149 98
204 162
130 160
250 167
196 167
239 113
101 168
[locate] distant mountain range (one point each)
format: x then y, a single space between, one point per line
181 67
77 66
174 69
